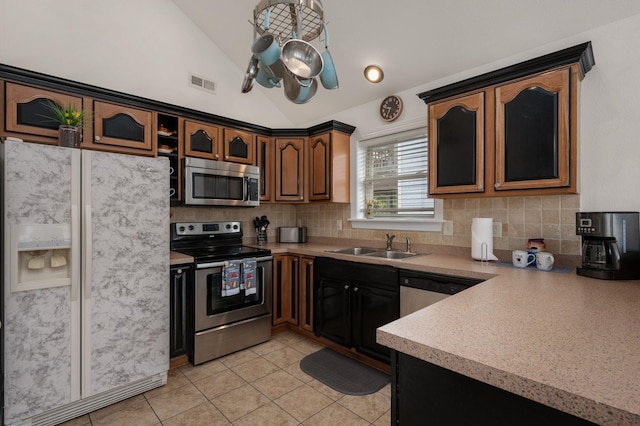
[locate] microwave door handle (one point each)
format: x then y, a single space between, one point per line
245 194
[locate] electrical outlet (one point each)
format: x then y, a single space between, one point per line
339 225
447 227
497 229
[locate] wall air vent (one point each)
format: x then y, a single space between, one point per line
202 83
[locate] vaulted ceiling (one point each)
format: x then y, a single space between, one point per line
414 41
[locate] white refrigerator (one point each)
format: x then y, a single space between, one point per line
85 280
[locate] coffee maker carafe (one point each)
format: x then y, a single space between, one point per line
610 245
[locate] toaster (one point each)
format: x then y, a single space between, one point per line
292 234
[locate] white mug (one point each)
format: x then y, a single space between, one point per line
172 192
522 259
544 261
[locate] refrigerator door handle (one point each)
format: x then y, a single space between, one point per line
88 250
75 258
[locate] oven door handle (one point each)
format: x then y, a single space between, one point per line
221 264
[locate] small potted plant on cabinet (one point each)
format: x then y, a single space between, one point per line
71 120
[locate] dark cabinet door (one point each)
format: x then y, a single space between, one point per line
333 310
266 163
372 308
532 132
306 293
120 126
181 330
239 146
285 289
456 155
201 140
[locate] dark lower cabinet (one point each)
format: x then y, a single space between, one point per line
424 393
181 317
352 301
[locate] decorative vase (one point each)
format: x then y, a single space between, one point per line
369 212
69 136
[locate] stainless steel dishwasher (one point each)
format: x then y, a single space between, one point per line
421 289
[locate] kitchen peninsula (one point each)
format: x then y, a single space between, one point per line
566 341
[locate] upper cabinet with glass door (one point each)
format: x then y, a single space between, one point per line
509 132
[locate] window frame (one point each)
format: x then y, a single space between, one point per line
357 219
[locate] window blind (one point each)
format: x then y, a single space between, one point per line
393 173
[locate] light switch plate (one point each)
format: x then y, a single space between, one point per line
497 229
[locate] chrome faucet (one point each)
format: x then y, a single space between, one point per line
408 245
390 241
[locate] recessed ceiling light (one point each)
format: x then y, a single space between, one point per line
373 73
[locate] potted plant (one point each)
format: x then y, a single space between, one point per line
71 120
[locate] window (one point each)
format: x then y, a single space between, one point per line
392 175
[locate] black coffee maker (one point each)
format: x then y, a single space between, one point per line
610 245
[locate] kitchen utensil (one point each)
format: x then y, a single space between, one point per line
522 259
328 75
544 261
266 47
252 70
298 90
301 58
266 79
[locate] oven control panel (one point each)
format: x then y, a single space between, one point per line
207 228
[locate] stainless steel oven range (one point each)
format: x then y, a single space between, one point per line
232 293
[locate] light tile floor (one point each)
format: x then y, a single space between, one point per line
262 385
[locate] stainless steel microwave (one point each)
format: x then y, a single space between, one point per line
217 183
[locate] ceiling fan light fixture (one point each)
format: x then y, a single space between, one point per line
373 73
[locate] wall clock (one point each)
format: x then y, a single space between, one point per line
391 108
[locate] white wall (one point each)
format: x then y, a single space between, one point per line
142 47
609 161
146 48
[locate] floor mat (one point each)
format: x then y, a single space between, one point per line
342 373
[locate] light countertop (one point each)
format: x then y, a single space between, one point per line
566 341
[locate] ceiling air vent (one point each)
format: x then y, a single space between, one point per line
202 83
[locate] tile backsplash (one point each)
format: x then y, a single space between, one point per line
549 217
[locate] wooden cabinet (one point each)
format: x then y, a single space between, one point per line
265 160
180 314
285 289
456 129
290 169
202 140
27 114
239 146
121 128
329 171
306 293
513 131
533 132
293 291
352 300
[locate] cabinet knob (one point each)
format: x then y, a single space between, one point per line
480 187
97 138
497 185
302 197
355 289
179 271
346 287
217 156
310 263
226 157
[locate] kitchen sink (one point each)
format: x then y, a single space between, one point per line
392 254
375 252
356 250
